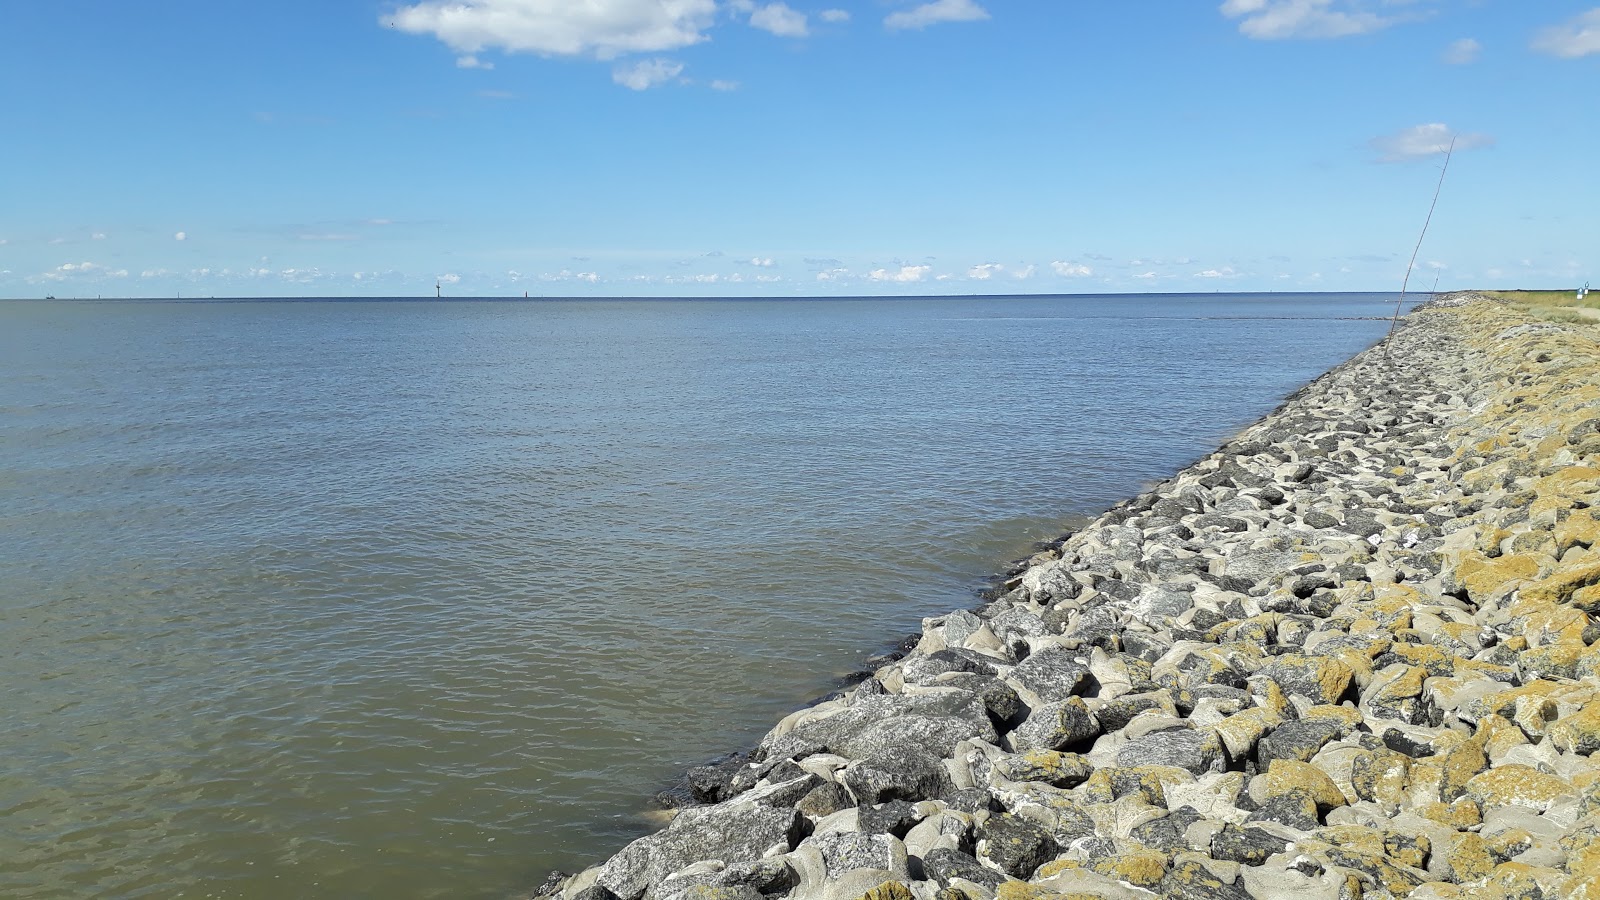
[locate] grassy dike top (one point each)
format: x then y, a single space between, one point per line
1353 653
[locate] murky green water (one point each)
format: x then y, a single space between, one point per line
405 599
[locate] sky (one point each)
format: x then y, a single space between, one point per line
752 148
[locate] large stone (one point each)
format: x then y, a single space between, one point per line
1250 846
1019 847
898 772
1199 750
936 734
1296 809
1063 770
1189 880
1288 776
943 865
733 832
1056 726
844 851
1299 740
1321 679
1052 674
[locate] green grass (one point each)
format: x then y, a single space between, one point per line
1546 299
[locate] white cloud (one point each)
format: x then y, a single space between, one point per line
764 262
1224 272
80 268
1463 52
604 29
181 236
904 274
156 273
1421 141
780 19
1271 20
1145 275
834 16
117 273
4 241
98 236
835 274
985 271
720 84
646 74
1071 269
935 12
450 279
1570 40
472 62
1024 273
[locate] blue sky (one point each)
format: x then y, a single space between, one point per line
746 147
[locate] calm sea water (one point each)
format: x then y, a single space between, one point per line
423 599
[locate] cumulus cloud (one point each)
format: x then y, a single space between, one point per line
1224 272
1071 269
82 268
472 62
1572 39
157 273
904 274
604 29
1463 52
1271 20
779 19
934 13
450 279
181 236
985 271
834 16
1421 141
837 273
98 236
646 74
720 84
764 262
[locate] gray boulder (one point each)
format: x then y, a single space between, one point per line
1056 726
1052 674
1198 750
898 772
733 832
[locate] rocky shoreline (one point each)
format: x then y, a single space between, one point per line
1350 654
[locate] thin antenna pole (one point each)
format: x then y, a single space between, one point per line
1417 249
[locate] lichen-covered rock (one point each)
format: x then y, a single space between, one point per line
1288 776
1015 845
1518 785
1319 679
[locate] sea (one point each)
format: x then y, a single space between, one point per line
426 599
